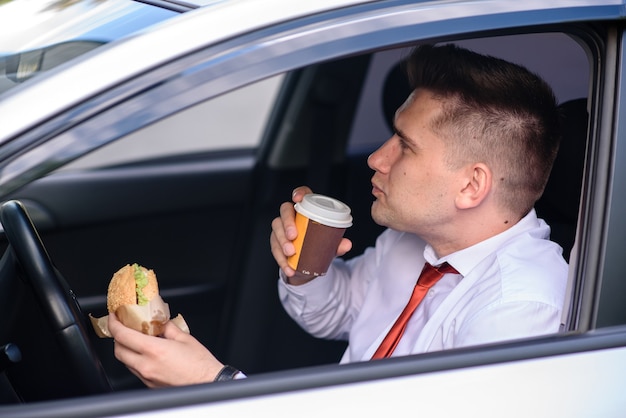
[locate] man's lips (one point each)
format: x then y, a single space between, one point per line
376 191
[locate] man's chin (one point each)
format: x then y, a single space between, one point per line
376 215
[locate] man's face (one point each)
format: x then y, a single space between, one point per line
414 188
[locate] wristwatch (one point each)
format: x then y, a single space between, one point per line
227 373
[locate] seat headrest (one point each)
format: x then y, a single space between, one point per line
561 197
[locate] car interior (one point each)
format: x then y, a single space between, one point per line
201 220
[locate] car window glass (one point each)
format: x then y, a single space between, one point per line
38 35
235 120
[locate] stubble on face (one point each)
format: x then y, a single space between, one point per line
411 181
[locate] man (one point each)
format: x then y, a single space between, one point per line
471 153
472 150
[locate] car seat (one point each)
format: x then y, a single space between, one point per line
560 202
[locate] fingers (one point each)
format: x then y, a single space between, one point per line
122 334
175 359
131 348
287 227
299 192
288 214
172 332
115 326
145 381
344 246
281 247
127 350
126 346
284 231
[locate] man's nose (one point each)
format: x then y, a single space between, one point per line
379 159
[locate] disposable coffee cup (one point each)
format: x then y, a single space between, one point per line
321 222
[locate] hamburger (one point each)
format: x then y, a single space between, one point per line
133 295
131 285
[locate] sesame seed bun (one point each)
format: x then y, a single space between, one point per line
122 287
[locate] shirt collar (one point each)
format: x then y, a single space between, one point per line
466 259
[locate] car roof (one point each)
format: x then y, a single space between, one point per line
214 21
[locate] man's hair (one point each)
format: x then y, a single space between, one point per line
494 112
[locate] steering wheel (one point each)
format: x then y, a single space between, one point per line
59 359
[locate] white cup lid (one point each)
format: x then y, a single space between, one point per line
325 210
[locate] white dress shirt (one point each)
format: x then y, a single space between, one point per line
509 286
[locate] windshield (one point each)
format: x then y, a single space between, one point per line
37 35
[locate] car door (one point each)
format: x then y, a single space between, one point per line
171 197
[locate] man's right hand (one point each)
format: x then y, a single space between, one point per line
284 231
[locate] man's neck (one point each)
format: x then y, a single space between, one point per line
470 231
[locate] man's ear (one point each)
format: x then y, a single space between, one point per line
476 186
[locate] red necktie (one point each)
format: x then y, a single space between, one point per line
429 276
